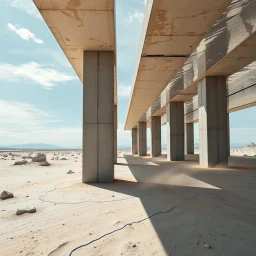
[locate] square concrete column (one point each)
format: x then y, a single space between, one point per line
189 138
155 129
175 131
213 122
142 138
134 141
98 117
115 134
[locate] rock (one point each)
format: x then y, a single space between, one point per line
206 245
26 157
70 172
134 246
21 162
25 210
63 158
5 155
6 195
45 163
39 158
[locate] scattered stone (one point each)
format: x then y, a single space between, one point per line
206 245
196 243
6 195
70 172
21 162
63 158
134 246
13 159
26 157
45 163
39 158
5 155
25 210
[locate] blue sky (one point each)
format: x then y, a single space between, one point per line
40 95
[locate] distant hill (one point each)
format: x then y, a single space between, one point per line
32 146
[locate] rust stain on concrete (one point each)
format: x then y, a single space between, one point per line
72 4
73 14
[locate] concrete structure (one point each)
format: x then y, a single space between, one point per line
134 141
227 48
213 122
175 131
189 138
115 133
142 138
155 129
85 30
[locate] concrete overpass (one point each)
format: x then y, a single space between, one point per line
85 30
226 47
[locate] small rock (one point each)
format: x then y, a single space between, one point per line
70 172
39 158
134 246
196 242
25 210
206 245
5 155
45 163
21 162
63 158
6 195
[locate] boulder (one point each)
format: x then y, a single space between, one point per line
25 210
21 162
45 163
6 195
39 158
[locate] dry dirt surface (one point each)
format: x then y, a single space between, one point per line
152 208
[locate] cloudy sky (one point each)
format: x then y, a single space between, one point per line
40 95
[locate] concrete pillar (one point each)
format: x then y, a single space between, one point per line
142 138
134 141
213 122
175 131
98 117
189 138
155 129
115 134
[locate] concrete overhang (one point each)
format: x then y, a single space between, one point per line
81 25
228 47
171 31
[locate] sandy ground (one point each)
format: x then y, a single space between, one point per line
193 207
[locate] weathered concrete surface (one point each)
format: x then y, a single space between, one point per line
175 131
80 25
142 138
155 129
189 138
171 32
213 122
98 117
115 133
134 141
229 46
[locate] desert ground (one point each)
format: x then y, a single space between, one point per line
154 207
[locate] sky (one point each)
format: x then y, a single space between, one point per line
40 94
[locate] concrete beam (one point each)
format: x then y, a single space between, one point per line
213 122
175 131
98 117
142 138
134 141
155 129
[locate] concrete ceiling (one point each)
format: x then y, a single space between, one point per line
171 32
80 25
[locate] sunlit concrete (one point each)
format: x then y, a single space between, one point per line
98 117
171 32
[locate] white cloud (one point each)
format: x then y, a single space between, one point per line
23 123
124 91
46 77
25 5
24 33
135 16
